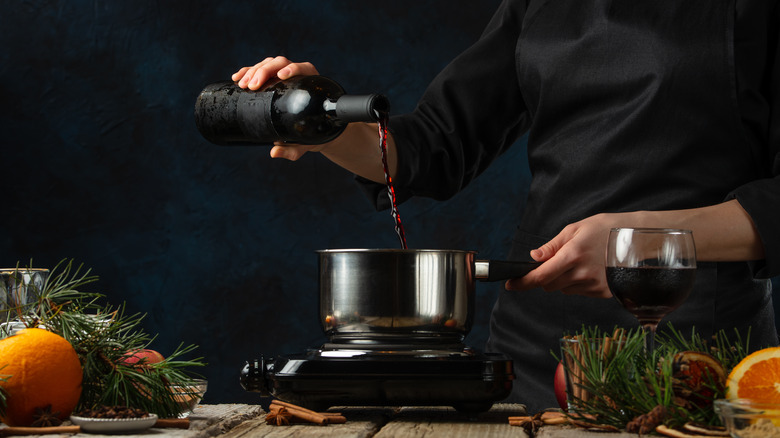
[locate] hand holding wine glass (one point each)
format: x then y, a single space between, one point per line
651 272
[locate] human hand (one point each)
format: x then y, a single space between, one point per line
253 77
574 259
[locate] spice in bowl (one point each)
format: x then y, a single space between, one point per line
749 419
112 412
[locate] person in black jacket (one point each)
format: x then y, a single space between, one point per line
661 114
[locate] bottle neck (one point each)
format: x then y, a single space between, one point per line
360 108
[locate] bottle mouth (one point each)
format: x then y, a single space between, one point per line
381 105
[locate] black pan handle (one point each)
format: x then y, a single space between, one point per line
495 270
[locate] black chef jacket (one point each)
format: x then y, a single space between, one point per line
628 105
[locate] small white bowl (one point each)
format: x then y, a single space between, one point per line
114 425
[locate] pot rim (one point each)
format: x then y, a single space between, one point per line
394 250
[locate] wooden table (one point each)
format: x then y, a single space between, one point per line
248 421
395 422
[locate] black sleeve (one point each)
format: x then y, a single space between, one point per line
471 113
761 198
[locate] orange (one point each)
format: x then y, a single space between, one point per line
756 377
44 370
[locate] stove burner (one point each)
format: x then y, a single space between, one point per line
399 347
373 374
377 337
391 352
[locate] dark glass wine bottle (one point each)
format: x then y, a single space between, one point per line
302 109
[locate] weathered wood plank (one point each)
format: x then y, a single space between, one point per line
361 423
214 420
206 421
573 432
445 422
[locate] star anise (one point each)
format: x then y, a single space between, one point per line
278 416
530 423
646 423
44 417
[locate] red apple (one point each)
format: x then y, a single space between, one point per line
560 386
142 356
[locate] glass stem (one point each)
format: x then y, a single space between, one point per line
649 329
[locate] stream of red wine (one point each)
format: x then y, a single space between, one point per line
399 227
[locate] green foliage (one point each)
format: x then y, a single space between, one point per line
726 350
103 337
624 382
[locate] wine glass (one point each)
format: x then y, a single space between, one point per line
20 289
651 272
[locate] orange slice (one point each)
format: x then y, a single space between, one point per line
756 377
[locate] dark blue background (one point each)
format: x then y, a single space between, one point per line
101 162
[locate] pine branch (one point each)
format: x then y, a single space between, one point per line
727 350
103 337
626 383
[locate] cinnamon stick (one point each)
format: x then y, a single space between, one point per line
19 430
549 418
619 333
335 419
552 417
578 372
331 417
605 348
176 423
302 413
290 405
284 404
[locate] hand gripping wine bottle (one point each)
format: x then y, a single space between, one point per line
302 109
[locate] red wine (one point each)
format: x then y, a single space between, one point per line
399 227
650 293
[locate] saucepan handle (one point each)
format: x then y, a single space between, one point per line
495 270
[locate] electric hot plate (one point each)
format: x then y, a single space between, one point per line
383 375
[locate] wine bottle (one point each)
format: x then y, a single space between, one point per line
302 109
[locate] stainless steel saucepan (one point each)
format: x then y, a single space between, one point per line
395 295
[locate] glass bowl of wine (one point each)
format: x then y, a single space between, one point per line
651 272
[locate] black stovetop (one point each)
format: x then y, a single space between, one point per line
372 374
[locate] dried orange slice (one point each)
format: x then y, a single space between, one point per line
756 377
